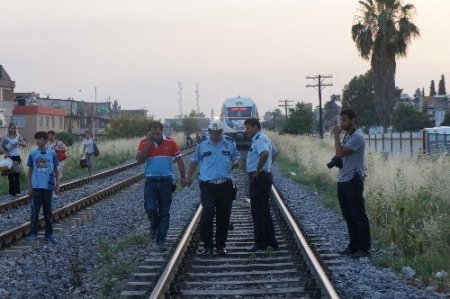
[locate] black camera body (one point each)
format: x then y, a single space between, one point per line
335 161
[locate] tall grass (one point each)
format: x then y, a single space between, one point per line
112 152
407 201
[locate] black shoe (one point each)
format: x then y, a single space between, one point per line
230 226
206 251
221 251
273 247
347 251
153 233
255 248
360 253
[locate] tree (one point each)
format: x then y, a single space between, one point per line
417 94
299 121
331 111
432 89
193 122
406 118
441 87
115 106
273 120
382 32
358 95
126 127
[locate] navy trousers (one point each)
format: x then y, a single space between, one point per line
217 201
259 200
351 201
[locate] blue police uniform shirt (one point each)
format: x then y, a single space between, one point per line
43 164
215 160
260 143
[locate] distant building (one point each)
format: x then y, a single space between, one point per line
6 86
79 116
133 113
436 107
6 96
30 119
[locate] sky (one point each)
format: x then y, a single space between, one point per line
136 51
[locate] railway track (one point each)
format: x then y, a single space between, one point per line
291 271
11 235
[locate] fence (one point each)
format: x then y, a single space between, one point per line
409 143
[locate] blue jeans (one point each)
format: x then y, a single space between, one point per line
90 162
157 201
41 197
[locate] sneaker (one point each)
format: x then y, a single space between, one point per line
153 232
50 239
32 237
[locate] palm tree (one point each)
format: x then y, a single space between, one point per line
382 32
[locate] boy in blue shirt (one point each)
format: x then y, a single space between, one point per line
42 180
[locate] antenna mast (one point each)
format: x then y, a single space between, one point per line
197 95
180 100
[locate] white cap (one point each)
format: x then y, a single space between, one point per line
215 125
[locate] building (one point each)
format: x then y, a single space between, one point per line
79 116
436 107
6 98
30 119
6 86
133 113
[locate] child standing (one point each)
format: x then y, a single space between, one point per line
42 180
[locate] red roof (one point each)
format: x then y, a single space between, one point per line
39 110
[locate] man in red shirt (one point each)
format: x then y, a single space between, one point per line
158 152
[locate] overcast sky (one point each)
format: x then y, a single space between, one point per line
136 51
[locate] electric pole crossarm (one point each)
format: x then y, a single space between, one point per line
319 79
285 105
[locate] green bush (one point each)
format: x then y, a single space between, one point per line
67 138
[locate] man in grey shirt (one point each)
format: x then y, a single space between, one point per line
351 184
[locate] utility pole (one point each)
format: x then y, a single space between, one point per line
94 112
285 105
319 84
197 95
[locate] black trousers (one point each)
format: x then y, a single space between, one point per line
217 201
259 200
14 179
351 201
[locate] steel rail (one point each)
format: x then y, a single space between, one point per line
15 234
163 284
23 200
321 277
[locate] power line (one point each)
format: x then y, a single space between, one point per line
319 79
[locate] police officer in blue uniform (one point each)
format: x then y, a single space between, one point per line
216 156
259 162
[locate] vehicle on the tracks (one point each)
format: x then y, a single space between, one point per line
234 112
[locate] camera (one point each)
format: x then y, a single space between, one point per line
335 161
